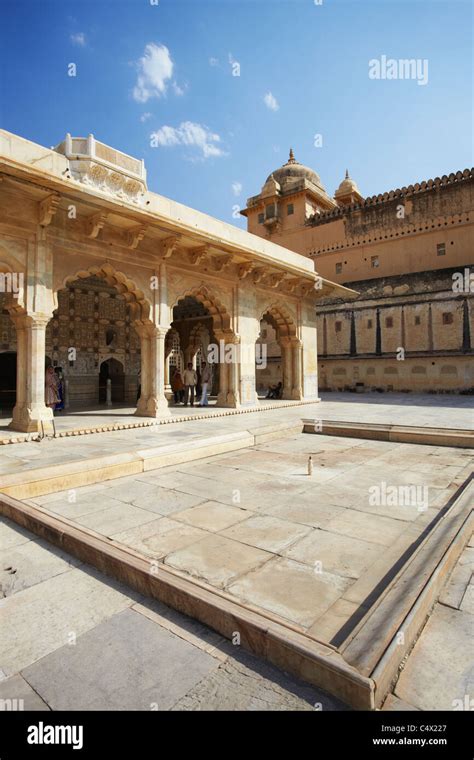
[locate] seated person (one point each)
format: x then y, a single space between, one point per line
275 391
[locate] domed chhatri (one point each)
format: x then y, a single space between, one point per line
290 196
348 192
347 184
293 170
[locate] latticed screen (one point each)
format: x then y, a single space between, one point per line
175 356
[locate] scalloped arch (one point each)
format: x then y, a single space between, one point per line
197 331
118 280
284 321
10 265
220 316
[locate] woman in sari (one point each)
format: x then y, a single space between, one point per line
51 388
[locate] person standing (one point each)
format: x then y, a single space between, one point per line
139 384
51 388
177 386
205 380
190 381
198 383
59 389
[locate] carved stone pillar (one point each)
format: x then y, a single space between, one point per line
229 370
286 360
157 403
296 369
233 383
31 413
223 384
250 363
143 332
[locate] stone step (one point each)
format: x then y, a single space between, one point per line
394 433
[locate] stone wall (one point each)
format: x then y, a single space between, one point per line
411 332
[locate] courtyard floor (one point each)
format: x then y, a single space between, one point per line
56 614
73 639
454 412
312 550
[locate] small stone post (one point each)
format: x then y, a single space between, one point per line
109 392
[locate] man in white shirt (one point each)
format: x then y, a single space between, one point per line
190 382
205 380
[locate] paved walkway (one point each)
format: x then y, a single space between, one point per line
73 639
439 673
404 409
425 410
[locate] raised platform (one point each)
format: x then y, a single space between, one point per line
105 420
231 530
419 410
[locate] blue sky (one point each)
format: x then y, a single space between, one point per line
167 70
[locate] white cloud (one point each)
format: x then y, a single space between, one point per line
177 89
155 69
236 188
78 39
145 116
190 134
271 102
213 62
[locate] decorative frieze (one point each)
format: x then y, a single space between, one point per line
105 169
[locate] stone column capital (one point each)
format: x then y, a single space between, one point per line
34 320
38 321
158 331
227 336
146 329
